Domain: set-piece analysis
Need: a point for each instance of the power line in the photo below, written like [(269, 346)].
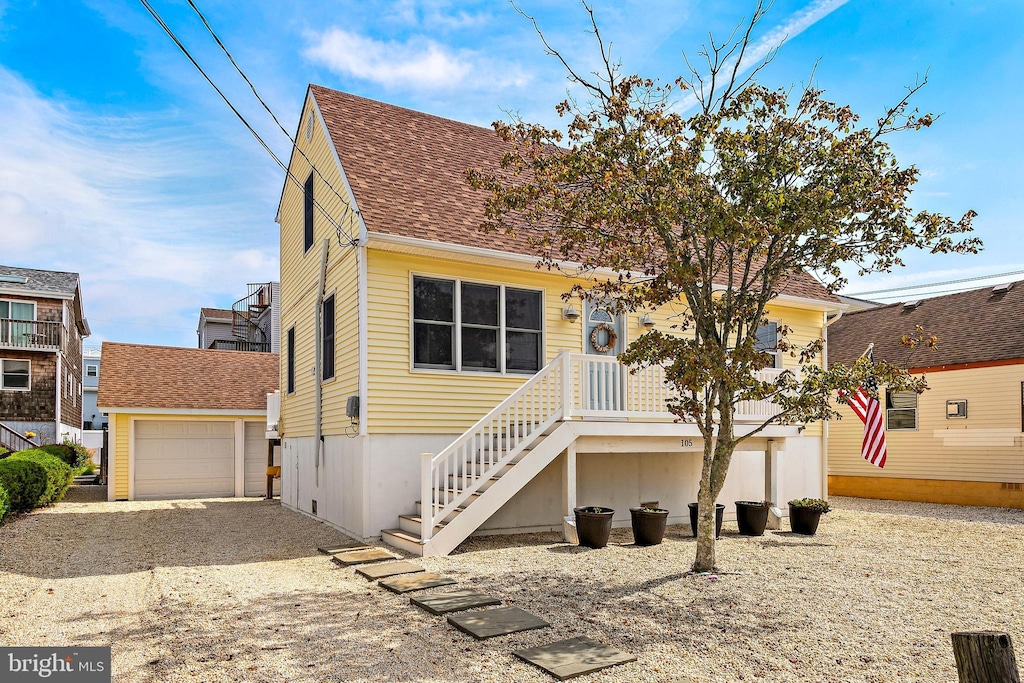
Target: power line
[(288, 135), (936, 284), (170, 33)]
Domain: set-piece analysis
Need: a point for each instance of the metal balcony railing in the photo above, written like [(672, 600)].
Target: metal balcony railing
[(35, 335)]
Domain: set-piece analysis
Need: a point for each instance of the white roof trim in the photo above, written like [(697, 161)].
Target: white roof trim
[(217, 412), (42, 295)]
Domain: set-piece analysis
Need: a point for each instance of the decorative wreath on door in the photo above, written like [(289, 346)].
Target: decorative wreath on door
[(595, 337)]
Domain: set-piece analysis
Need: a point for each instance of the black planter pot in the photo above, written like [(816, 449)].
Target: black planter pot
[(719, 514), (593, 528), (804, 520), (648, 525), (751, 517)]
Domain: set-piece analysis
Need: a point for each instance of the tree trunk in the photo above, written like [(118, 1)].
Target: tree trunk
[(717, 456), (985, 657)]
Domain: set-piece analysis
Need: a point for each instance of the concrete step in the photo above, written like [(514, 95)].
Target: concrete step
[(403, 540), (413, 524)]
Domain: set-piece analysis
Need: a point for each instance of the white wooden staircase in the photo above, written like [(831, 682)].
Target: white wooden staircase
[(467, 482)]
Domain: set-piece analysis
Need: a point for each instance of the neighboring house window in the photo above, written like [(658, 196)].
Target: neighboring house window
[(768, 342), (327, 336), (15, 374), (92, 371), (307, 213), (291, 361), (495, 328), (900, 410)]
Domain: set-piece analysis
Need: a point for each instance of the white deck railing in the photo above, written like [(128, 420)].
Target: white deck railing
[(573, 385)]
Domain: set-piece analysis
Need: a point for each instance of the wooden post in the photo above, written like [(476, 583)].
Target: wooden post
[(270, 463), (985, 657)]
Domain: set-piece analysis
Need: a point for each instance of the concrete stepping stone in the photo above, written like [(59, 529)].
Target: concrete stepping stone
[(416, 582), (341, 548), (381, 571), (574, 657), (352, 557), (502, 621), (454, 601)]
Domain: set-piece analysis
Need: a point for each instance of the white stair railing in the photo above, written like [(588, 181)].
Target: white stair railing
[(490, 444)]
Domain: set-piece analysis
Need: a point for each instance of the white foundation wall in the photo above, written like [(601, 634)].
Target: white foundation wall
[(363, 491)]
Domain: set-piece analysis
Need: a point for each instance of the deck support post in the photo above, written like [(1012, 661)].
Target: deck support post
[(569, 492), (771, 483), (985, 657)]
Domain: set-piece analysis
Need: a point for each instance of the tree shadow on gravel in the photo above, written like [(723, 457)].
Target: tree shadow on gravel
[(76, 542)]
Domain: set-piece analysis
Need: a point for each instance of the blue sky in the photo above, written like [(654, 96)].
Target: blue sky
[(119, 162)]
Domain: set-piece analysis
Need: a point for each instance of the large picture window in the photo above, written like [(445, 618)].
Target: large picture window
[(900, 410), (15, 374), (476, 327)]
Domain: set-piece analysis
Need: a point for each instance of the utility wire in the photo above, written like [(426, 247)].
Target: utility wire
[(937, 284), (167, 29), (925, 295), (294, 141)]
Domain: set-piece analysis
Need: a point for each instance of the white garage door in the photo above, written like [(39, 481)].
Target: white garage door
[(184, 459), (256, 460)]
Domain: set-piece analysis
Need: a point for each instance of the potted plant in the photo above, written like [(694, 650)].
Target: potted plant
[(593, 525), (752, 516), (719, 515), (805, 513), (648, 524)]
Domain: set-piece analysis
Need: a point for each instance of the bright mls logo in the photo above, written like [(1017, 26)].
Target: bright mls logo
[(79, 664)]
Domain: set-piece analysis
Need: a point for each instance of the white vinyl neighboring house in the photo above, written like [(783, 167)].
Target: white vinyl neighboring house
[(186, 423)]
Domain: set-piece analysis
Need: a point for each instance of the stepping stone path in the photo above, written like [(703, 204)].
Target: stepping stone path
[(454, 601), (416, 582), (502, 621), (573, 657), (335, 549), (362, 557), (381, 571), (564, 659)]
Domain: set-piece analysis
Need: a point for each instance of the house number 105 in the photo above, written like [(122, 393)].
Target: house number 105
[(687, 443)]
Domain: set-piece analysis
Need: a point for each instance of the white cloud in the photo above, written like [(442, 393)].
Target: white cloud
[(144, 208), (419, 62)]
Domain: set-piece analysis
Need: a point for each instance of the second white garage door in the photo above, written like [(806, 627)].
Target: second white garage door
[(184, 459)]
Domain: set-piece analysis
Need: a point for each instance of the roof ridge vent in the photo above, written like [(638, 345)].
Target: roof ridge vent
[(1003, 288), (911, 305)]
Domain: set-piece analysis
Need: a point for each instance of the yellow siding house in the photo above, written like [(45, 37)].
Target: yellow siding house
[(960, 442), (423, 360)]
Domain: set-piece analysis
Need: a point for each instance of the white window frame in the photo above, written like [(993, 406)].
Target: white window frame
[(503, 329), (916, 409), (3, 362), (35, 308), (95, 370)]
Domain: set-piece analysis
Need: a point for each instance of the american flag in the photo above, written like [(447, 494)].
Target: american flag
[(869, 410)]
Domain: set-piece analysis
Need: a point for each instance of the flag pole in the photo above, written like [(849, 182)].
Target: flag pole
[(868, 350)]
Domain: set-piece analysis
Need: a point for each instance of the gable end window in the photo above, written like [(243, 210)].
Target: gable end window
[(476, 327), (307, 213), (900, 410), (327, 336), (290, 360), (15, 375)]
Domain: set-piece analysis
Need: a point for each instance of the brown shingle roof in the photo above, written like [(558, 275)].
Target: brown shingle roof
[(972, 327), (216, 313), (139, 376), (407, 171)]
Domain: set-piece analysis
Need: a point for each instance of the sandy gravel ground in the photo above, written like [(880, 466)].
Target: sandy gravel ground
[(234, 590)]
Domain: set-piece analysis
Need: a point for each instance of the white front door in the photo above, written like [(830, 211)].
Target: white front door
[(605, 336)]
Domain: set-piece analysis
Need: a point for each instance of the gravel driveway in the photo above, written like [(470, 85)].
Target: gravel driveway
[(234, 590)]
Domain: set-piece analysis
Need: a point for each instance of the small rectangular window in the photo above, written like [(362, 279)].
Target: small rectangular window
[(523, 313), (290, 360), (900, 410), (768, 342), (327, 337), (15, 375), (480, 327), (307, 213), (956, 409), (434, 323), (92, 371)]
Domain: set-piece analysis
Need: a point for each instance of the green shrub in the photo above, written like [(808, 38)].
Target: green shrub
[(59, 474), (811, 504), (5, 503), (24, 481), (75, 455)]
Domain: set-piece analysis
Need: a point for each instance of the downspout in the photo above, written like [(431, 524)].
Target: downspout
[(824, 427), (318, 359)]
